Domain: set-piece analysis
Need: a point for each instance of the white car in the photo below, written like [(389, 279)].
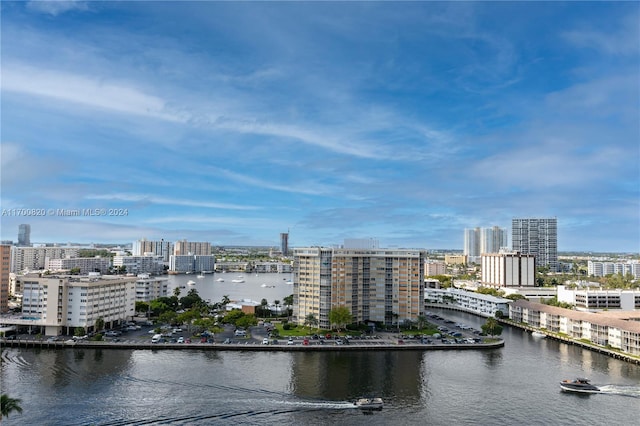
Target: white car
[(181, 340), (290, 341), (265, 341)]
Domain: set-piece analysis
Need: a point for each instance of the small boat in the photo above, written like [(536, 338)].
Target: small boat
[(190, 283), (237, 281), (369, 403), (200, 276), (263, 285), (220, 280), (579, 385), (538, 335)]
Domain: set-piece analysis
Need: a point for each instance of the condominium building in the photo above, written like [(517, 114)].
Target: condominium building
[(597, 299), (191, 263), (602, 269), (604, 329), (5, 271), (376, 285), (184, 247), (149, 288), (24, 235), (284, 243), (34, 258), (85, 264), (59, 304), (538, 237), (483, 240), (485, 305), (149, 264), (508, 269), (158, 248), (434, 268)]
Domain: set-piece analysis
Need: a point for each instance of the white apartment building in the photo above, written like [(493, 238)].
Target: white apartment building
[(191, 263), (602, 269), (85, 264), (508, 269), (34, 258), (376, 285), (59, 304), (485, 305), (150, 288), (483, 240), (597, 299), (149, 264), (598, 328)]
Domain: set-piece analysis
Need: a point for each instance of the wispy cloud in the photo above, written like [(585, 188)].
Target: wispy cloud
[(57, 7), (141, 198)]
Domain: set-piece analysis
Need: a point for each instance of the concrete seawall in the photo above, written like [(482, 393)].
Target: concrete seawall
[(36, 344)]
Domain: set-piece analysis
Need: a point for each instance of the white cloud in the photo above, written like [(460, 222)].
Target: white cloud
[(56, 7), (141, 198), (87, 91)]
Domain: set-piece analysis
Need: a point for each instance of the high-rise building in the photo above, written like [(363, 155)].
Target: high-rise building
[(34, 258), (284, 243), (161, 248), (483, 240), (184, 247), (377, 285), (24, 235), (508, 269), (538, 237), (5, 270)]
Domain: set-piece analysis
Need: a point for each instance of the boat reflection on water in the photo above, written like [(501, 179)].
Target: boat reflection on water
[(579, 385)]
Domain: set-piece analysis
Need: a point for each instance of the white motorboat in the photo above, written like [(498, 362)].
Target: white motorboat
[(191, 283), (538, 335), (220, 280), (369, 403)]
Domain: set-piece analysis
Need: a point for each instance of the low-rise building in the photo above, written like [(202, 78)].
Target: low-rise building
[(191, 263), (598, 328), (596, 299), (148, 264), (470, 301)]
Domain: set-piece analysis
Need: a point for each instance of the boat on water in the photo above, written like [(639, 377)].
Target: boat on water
[(220, 280), (200, 276), (538, 335), (369, 403), (190, 283), (237, 281), (579, 385)]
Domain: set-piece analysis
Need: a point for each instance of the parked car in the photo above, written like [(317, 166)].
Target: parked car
[(265, 341), (181, 340), (290, 341)]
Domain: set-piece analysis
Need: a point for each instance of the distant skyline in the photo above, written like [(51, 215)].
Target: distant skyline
[(405, 122)]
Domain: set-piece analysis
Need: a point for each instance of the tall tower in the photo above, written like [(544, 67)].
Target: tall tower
[(5, 269), (284, 243), (472, 243), (538, 237), (24, 235)]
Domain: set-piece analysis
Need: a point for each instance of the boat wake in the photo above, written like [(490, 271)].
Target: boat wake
[(631, 391)]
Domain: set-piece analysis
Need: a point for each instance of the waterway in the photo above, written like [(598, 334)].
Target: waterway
[(513, 385), (254, 287)]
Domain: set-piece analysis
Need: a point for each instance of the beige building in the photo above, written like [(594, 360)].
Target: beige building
[(376, 285), (508, 269), (84, 264), (59, 304), (184, 247), (34, 258), (455, 259), (5, 270), (434, 268)]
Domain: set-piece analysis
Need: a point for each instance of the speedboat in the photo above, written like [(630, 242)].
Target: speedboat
[(369, 403), (220, 280), (190, 283), (579, 385), (538, 335)]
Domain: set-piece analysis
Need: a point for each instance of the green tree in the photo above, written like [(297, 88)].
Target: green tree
[(288, 302), (311, 320), (422, 321), (491, 327), (74, 271), (515, 296), (340, 316), (142, 307), (9, 405), (79, 331), (176, 292), (99, 324)]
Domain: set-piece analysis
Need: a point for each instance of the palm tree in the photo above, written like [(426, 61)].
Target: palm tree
[(277, 303), (310, 320), (8, 405)]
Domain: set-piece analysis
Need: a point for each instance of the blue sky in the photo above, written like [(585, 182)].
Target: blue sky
[(405, 122)]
